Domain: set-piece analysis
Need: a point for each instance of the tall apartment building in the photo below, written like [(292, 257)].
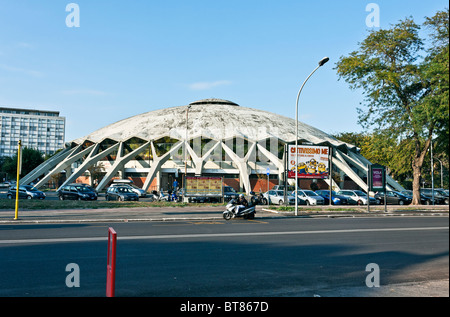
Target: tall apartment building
[(38, 129)]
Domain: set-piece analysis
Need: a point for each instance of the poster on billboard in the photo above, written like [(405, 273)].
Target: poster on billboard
[(377, 177), (313, 161), (204, 186)]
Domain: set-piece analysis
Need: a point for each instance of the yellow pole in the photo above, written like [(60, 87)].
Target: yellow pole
[(17, 183)]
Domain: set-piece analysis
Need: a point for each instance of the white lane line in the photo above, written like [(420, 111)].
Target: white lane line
[(214, 235)]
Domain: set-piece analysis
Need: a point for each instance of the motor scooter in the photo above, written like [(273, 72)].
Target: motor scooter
[(163, 197), (175, 197), (258, 199), (154, 196), (232, 211)]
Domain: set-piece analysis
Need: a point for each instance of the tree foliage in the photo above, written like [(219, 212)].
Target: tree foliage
[(405, 94), (31, 158), (381, 148)]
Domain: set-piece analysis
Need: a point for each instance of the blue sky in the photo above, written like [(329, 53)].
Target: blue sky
[(130, 57)]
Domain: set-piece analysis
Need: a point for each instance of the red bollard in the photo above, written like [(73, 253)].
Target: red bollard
[(111, 263)]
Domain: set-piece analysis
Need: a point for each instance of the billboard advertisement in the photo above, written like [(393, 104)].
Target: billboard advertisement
[(313, 161), (377, 177), (204, 186)]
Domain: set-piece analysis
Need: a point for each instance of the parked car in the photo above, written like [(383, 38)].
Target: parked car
[(121, 193), (86, 185), (439, 199), (393, 198), (202, 199), (6, 184), (310, 197), (277, 197), (25, 191), (358, 196), (335, 198), (289, 188), (443, 193), (139, 191), (77, 192), (424, 200), (229, 193)]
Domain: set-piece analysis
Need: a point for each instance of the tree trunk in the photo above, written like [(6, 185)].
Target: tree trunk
[(417, 173), (417, 168)]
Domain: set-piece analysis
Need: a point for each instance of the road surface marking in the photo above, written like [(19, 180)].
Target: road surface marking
[(214, 235)]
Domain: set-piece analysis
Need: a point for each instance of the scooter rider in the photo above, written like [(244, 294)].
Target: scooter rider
[(242, 203)]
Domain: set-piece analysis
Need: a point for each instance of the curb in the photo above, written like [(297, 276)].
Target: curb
[(329, 214), (277, 215)]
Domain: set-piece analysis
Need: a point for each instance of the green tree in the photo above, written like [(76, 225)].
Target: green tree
[(405, 96), (383, 149), (436, 72), (31, 158)]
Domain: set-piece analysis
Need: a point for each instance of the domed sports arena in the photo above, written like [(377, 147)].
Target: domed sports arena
[(210, 137)]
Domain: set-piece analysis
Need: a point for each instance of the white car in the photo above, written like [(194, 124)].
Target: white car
[(277, 197), (139, 191), (358, 196), (310, 197)]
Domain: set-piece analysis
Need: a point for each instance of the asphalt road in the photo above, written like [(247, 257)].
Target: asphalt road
[(266, 257)]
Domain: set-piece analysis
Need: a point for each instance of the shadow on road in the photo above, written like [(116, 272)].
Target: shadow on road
[(223, 268)]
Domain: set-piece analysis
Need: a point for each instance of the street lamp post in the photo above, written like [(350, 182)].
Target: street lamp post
[(185, 151), (432, 172), (442, 173), (321, 63)]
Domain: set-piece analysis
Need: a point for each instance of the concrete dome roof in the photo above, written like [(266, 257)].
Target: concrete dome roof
[(213, 101), (213, 118)]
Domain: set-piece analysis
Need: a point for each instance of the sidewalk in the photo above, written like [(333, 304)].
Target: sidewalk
[(201, 213)]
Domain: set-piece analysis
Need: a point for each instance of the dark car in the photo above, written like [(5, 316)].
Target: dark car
[(443, 193), (438, 198), (77, 192), (336, 199), (120, 193), (25, 191), (229, 193), (424, 200), (393, 198)]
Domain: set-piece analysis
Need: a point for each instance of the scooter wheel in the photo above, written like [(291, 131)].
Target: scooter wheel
[(227, 215)]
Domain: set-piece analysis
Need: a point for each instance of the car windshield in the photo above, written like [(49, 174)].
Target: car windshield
[(360, 193), (279, 193), (30, 188), (326, 192), (83, 189), (124, 190), (309, 193)]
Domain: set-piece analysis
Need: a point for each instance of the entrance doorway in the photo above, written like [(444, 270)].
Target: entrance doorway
[(168, 179)]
